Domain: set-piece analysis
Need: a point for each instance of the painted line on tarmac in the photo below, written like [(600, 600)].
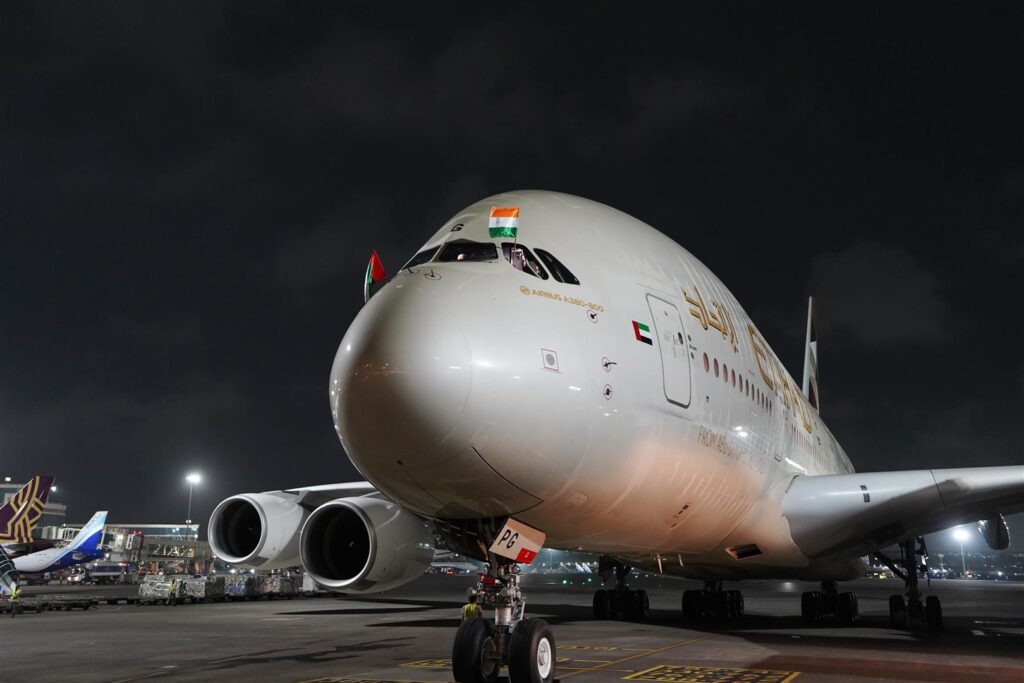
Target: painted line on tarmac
[(676, 673), (672, 646)]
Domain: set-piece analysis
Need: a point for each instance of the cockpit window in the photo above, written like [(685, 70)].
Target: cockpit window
[(521, 259), (466, 250), (421, 258), (557, 268)]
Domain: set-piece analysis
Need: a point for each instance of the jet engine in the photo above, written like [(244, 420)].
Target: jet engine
[(996, 534), (258, 530), (364, 545)]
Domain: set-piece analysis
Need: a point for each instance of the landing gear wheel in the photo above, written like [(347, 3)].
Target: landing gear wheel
[(933, 613), (601, 604), (641, 605), (531, 653), (810, 606), (474, 655), (897, 612), (847, 609), (735, 604), (691, 604)]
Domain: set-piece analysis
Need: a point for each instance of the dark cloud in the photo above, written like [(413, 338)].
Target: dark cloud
[(879, 294), (190, 192)]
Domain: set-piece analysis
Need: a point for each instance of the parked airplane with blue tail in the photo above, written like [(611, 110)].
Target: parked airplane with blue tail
[(86, 546)]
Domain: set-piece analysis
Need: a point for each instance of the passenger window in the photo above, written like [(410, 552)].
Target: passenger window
[(521, 259), (466, 250), (557, 268), (420, 258)]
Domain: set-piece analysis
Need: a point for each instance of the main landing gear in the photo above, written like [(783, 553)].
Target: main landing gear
[(620, 602), (912, 612), (815, 605), (713, 603), (482, 646)]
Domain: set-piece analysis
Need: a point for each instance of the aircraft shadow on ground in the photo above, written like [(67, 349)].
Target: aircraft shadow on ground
[(872, 631)]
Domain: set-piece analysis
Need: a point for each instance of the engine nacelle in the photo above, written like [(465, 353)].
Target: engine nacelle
[(257, 530), (365, 545), (996, 533)]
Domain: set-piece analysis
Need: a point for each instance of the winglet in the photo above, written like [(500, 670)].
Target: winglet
[(811, 359), (375, 277)]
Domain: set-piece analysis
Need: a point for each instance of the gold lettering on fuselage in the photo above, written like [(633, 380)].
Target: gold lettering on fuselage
[(775, 377), (720, 320), (571, 300)]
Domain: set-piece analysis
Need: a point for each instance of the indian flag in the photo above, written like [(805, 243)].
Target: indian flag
[(504, 222), (643, 333)]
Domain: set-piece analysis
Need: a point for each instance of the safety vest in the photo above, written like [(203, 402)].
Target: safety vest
[(16, 595), (470, 610)]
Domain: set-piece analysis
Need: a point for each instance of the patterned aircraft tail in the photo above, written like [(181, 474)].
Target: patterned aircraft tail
[(20, 514)]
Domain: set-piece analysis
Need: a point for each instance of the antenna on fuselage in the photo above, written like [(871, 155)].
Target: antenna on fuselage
[(810, 385)]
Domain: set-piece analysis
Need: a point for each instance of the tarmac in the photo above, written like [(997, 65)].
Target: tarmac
[(406, 635)]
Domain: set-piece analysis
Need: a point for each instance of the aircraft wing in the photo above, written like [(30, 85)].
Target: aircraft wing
[(315, 496), (856, 514)]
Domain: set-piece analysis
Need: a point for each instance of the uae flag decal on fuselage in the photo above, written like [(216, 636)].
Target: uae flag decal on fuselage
[(643, 333)]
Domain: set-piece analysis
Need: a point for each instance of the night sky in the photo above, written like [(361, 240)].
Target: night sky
[(189, 193)]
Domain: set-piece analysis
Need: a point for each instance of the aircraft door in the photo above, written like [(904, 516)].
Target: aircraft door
[(675, 357)]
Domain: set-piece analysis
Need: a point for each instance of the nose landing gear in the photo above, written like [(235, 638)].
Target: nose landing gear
[(620, 602), (482, 647)]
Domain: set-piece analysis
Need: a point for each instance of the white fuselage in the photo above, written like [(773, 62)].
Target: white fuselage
[(473, 389)]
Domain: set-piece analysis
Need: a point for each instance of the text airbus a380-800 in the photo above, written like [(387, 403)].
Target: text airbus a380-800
[(550, 371)]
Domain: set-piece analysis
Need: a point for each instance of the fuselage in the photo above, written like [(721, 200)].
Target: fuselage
[(639, 413)]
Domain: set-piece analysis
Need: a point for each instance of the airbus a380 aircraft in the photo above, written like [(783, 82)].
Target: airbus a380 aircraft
[(550, 371)]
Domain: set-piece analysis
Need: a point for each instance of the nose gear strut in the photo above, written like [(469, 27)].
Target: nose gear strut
[(482, 646)]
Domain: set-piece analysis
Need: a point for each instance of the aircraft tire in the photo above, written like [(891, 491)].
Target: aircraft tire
[(691, 604), (736, 606), (641, 605), (847, 611), (933, 613), (897, 612), (474, 641), (601, 604), (531, 653), (810, 606)]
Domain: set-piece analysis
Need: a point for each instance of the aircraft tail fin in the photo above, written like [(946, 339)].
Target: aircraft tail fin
[(90, 538), (20, 514), (811, 359)]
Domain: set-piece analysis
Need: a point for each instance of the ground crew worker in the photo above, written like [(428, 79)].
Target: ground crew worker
[(15, 599), (172, 592), (471, 610)]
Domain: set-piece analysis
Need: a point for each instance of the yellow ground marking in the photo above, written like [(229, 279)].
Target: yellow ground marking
[(332, 679), (681, 643), (603, 648), (674, 673), (428, 664)]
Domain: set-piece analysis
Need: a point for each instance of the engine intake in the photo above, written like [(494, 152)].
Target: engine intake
[(363, 545), (257, 530)]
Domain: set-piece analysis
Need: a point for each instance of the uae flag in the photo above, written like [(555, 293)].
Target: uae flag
[(504, 222), (643, 333)]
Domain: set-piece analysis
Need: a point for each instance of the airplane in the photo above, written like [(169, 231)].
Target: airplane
[(86, 546), (20, 515), (597, 388)]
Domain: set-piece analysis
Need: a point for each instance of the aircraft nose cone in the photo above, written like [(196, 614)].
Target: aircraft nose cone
[(400, 380)]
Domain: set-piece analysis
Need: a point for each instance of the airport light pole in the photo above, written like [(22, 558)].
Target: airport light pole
[(193, 478), (962, 536)]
